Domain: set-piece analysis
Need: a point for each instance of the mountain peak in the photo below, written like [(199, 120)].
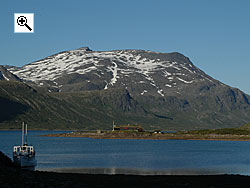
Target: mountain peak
[(85, 48)]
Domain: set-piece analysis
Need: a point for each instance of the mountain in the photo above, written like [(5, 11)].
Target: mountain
[(141, 72), (157, 90)]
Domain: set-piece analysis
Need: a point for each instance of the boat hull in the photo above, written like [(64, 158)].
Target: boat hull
[(25, 161)]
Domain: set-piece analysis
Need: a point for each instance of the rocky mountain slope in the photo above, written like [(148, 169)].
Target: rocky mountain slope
[(141, 72), (6, 75), (157, 90)]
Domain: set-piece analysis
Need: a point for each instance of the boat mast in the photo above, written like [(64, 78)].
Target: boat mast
[(22, 132), (26, 133)]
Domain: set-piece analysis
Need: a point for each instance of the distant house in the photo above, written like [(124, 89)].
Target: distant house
[(128, 128), (157, 131)]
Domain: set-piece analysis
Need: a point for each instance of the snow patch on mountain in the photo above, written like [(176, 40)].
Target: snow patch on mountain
[(5, 77), (144, 91), (168, 85), (160, 92), (187, 82)]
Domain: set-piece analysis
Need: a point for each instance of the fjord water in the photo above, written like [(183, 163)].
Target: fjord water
[(86, 155)]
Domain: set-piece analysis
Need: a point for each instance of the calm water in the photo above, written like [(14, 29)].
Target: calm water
[(85, 155)]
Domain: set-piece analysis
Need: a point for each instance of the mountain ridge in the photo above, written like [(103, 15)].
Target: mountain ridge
[(157, 90), (109, 63)]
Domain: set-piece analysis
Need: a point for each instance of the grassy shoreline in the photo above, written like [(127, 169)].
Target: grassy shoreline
[(156, 136), (226, 134)]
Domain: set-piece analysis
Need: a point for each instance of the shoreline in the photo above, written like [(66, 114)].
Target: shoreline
[(144, 136), (200, 171), (154, 136), (53, 179)]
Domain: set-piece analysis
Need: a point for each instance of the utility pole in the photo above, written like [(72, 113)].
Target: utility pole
[(113, 125)]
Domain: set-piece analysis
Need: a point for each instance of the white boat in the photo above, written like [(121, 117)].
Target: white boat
[(24, 155)]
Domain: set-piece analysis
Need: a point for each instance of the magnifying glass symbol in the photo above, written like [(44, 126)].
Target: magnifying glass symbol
[(22, 21)]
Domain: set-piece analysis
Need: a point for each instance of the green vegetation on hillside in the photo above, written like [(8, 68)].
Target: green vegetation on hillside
[(80, 110), (91, 110), (242, 130)]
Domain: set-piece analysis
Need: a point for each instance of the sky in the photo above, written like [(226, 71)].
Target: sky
[(214, 34)]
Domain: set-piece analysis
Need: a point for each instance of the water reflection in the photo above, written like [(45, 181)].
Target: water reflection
[(130, 171), (29, 168)]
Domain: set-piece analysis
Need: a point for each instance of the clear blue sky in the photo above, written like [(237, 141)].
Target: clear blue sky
[(214, 34)]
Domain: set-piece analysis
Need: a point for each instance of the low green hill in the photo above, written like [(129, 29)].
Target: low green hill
[(242, 130), (81, 110)]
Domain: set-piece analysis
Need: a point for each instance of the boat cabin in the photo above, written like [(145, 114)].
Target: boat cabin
[(23, 149)]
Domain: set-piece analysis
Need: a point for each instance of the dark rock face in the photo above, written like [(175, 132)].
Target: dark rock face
[(5, 161), (155, 89), (10, 109), (6, 75), (1, 76)]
